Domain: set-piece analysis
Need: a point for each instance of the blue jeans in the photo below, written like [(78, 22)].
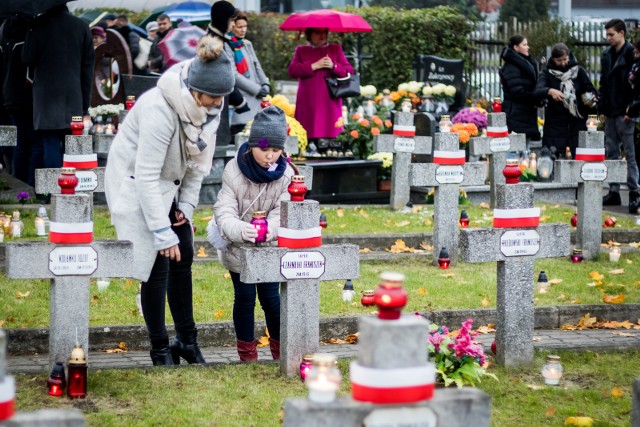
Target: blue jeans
[(244, 303), (52, 141), (170, 280), (616, 132)]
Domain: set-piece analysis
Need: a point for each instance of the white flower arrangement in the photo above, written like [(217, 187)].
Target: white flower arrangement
[(440, 92), (414, 86), (108, 110), (368, 91), (386, 158)]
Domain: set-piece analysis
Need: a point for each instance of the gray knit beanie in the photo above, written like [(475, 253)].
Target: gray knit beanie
[(269, 129), (213, 77)]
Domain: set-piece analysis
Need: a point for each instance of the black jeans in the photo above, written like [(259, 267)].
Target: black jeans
[(170, 280), (244, 303)]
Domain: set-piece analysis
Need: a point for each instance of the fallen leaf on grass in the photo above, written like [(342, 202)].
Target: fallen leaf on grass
[(201, 252), (427, 247), (365, 250), (402, 223), (616, 325), (121, 348), (587, 321), (579, 421), (218, 314), (485, 205), (364, 213), (575, 301), (485, 329), (562, 297), (342, 225), (399, 247), (543, 208), (629, 261), (22, 295), (206, 218), (613, 299), (447, 275), (485, 302), (226, 276), (335, 341), (1, 323), (95, 298), (596, 275), (352, 338), (623, 334), (555, 281), (340, 213), (617, 392), (635, 245), (422, 291), (535, 386), (536, 339), (263, 342), (543, 218), (427, 221), (556, 206), (617, 271), (550, 412)]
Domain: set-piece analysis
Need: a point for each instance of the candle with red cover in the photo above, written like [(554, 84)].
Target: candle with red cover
[(77, 373), (259, 222), (56, 382), (77, 125), (390, 296), (297, 188), (68, 181)]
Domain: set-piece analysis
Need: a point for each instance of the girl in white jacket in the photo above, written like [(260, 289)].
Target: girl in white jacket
[(256, 180)]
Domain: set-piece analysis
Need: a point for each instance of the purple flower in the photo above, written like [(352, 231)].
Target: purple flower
[(22, 197), (263, 143)]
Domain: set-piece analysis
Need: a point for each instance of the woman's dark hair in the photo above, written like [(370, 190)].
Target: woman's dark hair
[(308, 31), (516, 40), (559, 50)]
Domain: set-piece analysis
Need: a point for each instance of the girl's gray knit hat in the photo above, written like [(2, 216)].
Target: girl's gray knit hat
[(269, 129)]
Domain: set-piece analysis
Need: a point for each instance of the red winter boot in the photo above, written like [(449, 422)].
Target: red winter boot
[(247, 350), (275, 348)]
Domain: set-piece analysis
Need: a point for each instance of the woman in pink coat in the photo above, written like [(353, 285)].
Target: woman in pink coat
[(316, 110)]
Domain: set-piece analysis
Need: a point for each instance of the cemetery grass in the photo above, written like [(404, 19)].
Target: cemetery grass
[(596, 385), (25, 303)]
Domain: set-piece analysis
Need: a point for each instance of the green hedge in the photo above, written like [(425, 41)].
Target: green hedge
[(398, 36)]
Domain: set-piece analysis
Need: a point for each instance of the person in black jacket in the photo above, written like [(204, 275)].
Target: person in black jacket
[(519, 76), (565, 83), (615, 97)]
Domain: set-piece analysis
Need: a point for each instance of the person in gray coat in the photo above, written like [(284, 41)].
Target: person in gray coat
[(157, 162)]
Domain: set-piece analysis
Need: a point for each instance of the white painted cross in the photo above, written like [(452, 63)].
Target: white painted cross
[(590, 170), (403, 143), (496, 145), (447, 172)]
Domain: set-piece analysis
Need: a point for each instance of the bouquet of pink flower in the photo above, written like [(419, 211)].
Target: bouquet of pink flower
[(458, 357), (477, 116)]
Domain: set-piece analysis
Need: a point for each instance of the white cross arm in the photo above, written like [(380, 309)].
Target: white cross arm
[(424, 174), (572, 171), (8, 136), (32, 260), (91, 180), (386, 143), (263, 265), (484, 244), (482, 144)]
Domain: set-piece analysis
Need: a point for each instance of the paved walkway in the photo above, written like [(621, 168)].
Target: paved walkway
[(594, 340)]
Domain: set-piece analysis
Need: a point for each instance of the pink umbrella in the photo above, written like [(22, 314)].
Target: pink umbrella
[(180, 44), (335, 21)]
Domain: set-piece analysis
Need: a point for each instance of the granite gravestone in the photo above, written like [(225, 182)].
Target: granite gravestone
[(516, 240), (447, 172), (590, 170), (70, 259), (496, 145), (403, 143), (112, 62), (433, 69), (300, 266), (8, 136)]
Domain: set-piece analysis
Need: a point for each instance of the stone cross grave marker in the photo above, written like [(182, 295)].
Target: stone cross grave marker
[(69, 259), (590, 170), (447, 172), (8, 136), (516, 240), (403, 143), (496, 145), (79, 155), (299, 263), (392, 385)]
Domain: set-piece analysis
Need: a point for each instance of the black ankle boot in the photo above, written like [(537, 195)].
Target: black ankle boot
[(189, 352), (161, 356)]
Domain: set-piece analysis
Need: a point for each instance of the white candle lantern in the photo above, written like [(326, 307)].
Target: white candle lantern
[(103, 284), (323, 379), (543, 283), (614, 254), (16, 225), (406, 105), (592, 123), (552, 370), (445, 124), (40, 228)]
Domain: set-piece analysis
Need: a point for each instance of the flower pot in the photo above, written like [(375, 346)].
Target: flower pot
[(384, 185)]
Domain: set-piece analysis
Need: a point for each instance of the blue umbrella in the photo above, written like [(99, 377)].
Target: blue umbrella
[(189, 11), (141, 32)]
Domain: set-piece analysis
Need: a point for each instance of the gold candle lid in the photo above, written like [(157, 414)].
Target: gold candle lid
[(368, 292), (324, 359), (68, 171), (307, 358), (131, 97), (512, 162), (260, 214), (77, 356), (297, 178), (76, 118), (392, 278), (577, 251), (445, 118)]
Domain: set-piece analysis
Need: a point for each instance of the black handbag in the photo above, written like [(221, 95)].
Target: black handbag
[(344, 87)]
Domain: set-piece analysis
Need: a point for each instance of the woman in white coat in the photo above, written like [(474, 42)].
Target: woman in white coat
[(156, 165), (250, 78)]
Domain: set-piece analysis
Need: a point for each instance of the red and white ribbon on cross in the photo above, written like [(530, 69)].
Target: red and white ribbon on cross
[(309, 238), (80, 161), (400, 130), (399, 385), (516, 218), (449, 157), (71, 232), (590, 154), (7, 397), (497, 131)]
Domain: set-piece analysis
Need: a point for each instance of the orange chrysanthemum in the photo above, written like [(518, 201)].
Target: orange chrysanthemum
[(375, 131), (356, 116), (354, 134), (388, 123), (365, 123), (377, 120), (339, 123)]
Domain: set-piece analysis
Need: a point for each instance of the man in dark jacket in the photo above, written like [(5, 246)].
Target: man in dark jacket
[(615, 97), (59, 50), (133, 41), (156, 58)]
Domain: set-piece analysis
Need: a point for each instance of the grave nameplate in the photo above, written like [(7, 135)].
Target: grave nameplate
[(449, 174), (73, 261), (520, 243), (87, 181), (404, 145), (498, 145), (302, 265), (401, 417), (593, 172)]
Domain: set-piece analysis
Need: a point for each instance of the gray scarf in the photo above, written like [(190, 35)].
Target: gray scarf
[(567, 88)]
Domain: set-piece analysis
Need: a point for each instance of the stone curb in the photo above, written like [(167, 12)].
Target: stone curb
[(219, 334)]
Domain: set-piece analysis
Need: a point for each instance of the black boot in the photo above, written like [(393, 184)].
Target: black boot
[(612, 198), (161, 356), (634, 202), (186, 347)]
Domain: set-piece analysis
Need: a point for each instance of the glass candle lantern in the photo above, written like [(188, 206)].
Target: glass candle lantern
[(390, 296), (445, 124), (17, 226), (77, 373), (6, 225), (464, 219), (443, 259), (545, 164), (614, 254), (406, 105), (368, 298), (88, 124), (130, 102), (567, 153), (323, 379), (103, 284), (1, 234), (40, 227), (533, 163), (76, 125), (42, 212), (297, 188), (56, 382), (496, 106), (552, 370), (348, 292), (323, 220), (543, 283), (259, 222), (370, 108), (305, 365), (512, 171), (592, 123), (109, 128), (98, 127), (574, 219), (68, 181), (576, 256)]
